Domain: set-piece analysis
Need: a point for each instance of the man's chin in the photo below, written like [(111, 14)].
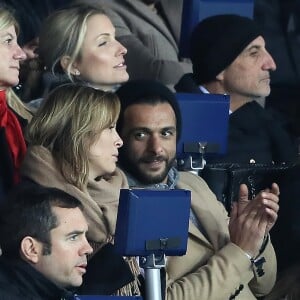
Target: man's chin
[(151, 177), (153, 169), (153, 173), (154, 179), (146, 173)]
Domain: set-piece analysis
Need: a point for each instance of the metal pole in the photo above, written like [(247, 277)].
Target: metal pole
[(152, 265), (153, 284)]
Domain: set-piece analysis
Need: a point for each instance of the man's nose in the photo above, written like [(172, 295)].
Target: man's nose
[(86, 248), (269, 63), (155, 145)]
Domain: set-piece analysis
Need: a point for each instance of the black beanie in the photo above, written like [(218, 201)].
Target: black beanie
[(135, 91), (217, 41)]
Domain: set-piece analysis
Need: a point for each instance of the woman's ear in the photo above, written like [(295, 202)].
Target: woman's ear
[(65, 62), (31, 249)]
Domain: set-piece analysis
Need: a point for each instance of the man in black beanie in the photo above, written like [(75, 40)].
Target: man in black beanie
[(219, 263), (229, 56)]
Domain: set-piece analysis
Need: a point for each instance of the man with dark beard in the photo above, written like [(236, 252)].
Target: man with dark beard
[(150, 165), (235, 261)]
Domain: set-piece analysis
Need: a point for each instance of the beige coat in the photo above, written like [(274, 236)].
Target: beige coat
[(100, 199), (214, 268)]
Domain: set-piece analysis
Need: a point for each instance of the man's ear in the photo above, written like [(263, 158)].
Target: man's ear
[(31, 249), (65, 61)]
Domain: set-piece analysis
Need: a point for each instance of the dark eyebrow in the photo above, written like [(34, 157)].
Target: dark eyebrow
[(75, 232), (145, 129), (169, 128), (148, 130)]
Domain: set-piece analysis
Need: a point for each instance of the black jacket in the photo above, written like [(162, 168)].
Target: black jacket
[(254, 133), (106, 273), (18, 280)]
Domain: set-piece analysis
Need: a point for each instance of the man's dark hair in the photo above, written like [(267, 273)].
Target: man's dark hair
[(146, 91), (27, 211)]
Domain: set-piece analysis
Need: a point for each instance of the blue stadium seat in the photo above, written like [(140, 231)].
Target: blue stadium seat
[(146, 224), (204, 120)]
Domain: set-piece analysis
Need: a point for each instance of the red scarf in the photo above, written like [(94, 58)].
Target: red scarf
[(14, 135)]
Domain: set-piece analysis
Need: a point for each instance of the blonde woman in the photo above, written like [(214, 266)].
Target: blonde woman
[(80, 43), (73, 146), (13, 114)]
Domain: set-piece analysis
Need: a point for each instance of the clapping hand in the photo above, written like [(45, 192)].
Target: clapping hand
[(251, 220)]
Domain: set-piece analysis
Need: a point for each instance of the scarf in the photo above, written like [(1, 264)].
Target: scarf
[(13, 134), (173, 177), (100, 199)]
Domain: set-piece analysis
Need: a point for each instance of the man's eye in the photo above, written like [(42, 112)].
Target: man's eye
[(139, 135), (254, 53), (73, 237), (167, 133)]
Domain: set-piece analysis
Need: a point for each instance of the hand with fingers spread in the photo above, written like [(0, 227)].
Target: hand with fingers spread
[(251, 220)]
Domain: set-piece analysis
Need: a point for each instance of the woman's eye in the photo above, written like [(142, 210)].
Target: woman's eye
[(102, 43), (8, 41)]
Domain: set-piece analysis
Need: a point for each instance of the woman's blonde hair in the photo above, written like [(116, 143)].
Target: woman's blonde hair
[(67, 124), (62, 34), (7, 19)]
